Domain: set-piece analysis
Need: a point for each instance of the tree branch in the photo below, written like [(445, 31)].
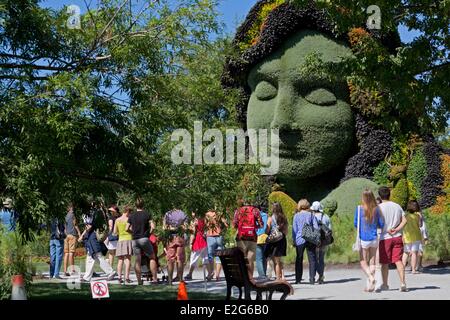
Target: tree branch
[(32, 66)]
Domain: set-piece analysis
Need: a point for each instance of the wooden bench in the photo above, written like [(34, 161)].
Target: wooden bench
[(236, 274)]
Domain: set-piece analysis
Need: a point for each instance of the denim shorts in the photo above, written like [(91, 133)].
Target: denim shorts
[(214, 244)]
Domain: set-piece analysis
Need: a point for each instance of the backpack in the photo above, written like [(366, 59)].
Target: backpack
[(326, 235), (246, 223)]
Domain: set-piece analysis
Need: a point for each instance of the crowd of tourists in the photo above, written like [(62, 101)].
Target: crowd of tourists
[(385, 235)]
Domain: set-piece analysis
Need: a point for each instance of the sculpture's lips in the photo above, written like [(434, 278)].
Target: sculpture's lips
[(286, 151)]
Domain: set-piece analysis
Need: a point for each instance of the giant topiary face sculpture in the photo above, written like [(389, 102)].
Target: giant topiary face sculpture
[(334, 141), (313, 116)]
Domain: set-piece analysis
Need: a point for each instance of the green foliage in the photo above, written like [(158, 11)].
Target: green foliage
[(344, 234), (400, 193), (348, 194), (417, 170), (381, 174), (96, 121), (15, 259), (287, 203), (438, 227), (252, 35), (40, 246), (329, 206)]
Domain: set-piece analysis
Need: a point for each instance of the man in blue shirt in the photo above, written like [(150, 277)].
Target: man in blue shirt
[(261, 261), (8, 216)]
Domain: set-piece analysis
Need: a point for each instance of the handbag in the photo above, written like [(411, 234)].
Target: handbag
[(111, 236), (357, 244), (310, 234), (274, 236), (275, 233)]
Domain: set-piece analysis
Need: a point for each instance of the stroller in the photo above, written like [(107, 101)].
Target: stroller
[(145, 262)]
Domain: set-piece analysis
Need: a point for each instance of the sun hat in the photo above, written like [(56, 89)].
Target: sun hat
[(316, 206)]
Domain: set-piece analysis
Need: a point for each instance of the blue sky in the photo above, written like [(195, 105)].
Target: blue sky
[(232, 13)]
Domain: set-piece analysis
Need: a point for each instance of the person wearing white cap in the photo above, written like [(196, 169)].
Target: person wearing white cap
[(324, 219), (8, 216)]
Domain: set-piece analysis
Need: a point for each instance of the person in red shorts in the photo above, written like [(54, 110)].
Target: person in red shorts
[(391, 242)]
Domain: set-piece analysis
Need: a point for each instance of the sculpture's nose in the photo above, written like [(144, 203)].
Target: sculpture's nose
[(283, 117)]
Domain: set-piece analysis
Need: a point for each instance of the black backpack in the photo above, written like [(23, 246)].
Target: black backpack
[(326, 234)]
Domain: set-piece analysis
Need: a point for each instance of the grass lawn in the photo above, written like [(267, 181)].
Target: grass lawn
[(59, 291), (79, 261)]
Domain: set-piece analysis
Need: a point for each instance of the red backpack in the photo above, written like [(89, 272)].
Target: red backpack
[(246, 223)]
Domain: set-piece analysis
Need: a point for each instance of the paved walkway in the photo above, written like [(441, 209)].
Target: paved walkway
[(344, 284)]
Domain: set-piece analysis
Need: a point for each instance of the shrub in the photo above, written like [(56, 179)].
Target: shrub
[(40, 246), (438, 235), (443, 202), (417, 170), (381, 174), (431, 184), (400, 193), (289, 206), (348, 195), (15, 259), (344, 235)]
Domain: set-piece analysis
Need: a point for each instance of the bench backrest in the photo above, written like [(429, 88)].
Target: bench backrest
[(234, 266)]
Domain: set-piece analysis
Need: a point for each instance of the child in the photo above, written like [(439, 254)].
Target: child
[(412, 236), (424, 232)]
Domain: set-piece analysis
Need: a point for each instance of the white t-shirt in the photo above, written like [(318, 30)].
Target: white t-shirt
[(392, 214)]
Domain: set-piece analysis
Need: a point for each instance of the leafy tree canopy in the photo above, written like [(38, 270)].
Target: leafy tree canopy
[(88, 112)]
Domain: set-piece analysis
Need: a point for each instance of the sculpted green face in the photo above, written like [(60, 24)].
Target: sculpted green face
[(313, 116)]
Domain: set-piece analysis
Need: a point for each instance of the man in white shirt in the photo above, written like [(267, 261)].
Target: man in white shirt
[(391, 243)]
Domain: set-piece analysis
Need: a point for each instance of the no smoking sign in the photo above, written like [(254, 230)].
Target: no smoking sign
[(99, 289)]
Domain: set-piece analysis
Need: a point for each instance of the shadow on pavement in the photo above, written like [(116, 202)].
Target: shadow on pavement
[(318, 298), (342, 280), (436, 271), (424, 288)]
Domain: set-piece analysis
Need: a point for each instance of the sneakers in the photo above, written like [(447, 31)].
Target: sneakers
[(321, 280), (188, 277), (403, 288), (111, 276)]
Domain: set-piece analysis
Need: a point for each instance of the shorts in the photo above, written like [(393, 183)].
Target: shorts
[(414, 246), (421, 246), (369, 244), (391, 250), (195, 255), (143, 245), (214, 244), (175, 250), (249, 248), (70, 244)]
